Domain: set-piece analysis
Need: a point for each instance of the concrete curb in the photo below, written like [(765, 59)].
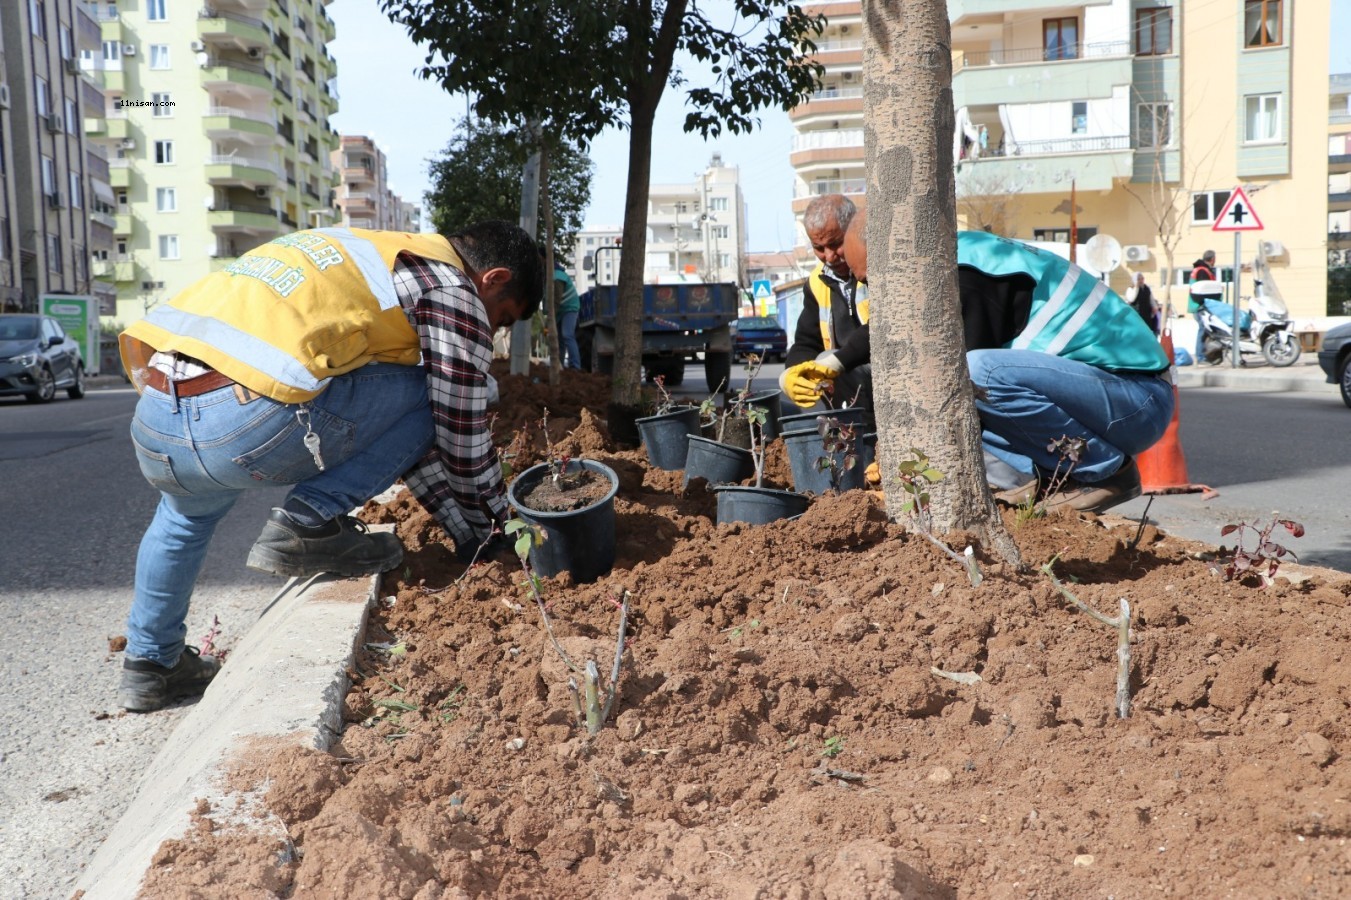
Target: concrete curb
[(1295, 378), (287, 679)]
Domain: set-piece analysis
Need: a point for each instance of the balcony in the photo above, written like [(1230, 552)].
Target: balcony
[(122, 224), (104, 219), (226, 74), (820, 147), (238, 171), (833, 9), (249, 218), (118, 127), (962, 9), (831, 53), (1048, 166), (119, 173), (831, 103), (124, 270), (223, 122), (216, 24), (1006, 77)]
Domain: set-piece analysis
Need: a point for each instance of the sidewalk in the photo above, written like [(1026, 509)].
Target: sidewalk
[(1304, 375)]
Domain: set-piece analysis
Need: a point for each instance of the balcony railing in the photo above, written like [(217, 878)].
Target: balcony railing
[(241, 65), (208, 13), (99, 13), (838, 93), (1098, 144), (1103, 50), (267, 117), (833, 186), (828, 140), (256, 209), (837, 46), (242, 161)]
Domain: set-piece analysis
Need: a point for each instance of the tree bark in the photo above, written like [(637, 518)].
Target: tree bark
[(626, 388), (921, 385), (550, 285)]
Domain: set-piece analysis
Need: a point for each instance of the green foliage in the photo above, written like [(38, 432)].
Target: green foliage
[(832, 747), (478, 176), (916, 476)]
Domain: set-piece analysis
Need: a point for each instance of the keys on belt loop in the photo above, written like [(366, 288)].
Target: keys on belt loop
[(311, 439)]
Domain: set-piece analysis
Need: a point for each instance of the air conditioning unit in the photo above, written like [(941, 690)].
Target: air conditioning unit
[(4, 96), (54, 123), (54, 200), (128, 143), (198, 46), (848, 76), (1135, 253), (255, 53), (1273, 248), (152, 285), (260, 192), (72, 65), (128, 49), (844, 29)]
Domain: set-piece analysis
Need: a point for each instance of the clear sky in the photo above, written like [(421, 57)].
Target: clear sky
[(412, 120)]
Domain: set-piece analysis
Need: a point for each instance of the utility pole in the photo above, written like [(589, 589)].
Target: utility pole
[(520, 332)]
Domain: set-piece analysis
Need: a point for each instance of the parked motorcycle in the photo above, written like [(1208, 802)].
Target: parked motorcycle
[(1264, 327)]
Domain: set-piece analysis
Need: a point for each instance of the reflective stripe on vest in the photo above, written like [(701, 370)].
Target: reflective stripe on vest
[(825, 296)]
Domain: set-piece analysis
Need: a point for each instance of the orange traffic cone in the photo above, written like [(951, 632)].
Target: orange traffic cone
[(1163, 468)]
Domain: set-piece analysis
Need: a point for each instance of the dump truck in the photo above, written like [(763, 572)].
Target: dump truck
[(680, 321)]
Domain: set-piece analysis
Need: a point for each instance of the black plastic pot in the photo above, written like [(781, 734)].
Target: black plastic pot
[(666, 436), (769, 402), (850, 415), (757, 506), (717, 463), (580, 541), (804, 449)]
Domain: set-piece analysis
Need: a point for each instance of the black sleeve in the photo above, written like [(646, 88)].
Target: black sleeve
[(856, 350), (994, 310), (807, 343)]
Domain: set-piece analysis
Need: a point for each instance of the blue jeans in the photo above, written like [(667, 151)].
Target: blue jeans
[(567, 340), (1035, 398), (202, 452)]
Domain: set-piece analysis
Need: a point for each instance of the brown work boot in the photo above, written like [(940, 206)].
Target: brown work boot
[(1097, 496), (1019, 495)]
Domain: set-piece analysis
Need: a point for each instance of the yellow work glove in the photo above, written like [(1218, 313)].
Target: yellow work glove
[(872, 474), (802, 383)]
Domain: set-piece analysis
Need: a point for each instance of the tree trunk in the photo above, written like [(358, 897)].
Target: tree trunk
[(921, 385), (626, 388), (550, 284)]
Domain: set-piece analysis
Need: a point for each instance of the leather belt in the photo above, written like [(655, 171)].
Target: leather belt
[(189, 387)]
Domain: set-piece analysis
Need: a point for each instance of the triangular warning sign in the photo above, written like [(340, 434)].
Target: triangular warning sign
[(1238, 214)]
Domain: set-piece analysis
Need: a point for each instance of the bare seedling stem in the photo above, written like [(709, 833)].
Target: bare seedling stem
[(1122, 624)]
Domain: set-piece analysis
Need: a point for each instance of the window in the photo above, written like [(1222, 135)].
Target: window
[(168, 246), (54, 253), (1262, 118), (1154, 31), (163, 107), (76, 191), (722, 232), (112, 51), (1153, 125), (72, 117), (44, 96), (48, 176), (37, 18), (1079, 117), (1062, 235), (121, 249), (122, 202), (166, 200), (1206, 206), (1060, 38), (164, 153), (717, 204), (159, 56), (66, 42), (154, 10), (1261, 23), (77, 263)]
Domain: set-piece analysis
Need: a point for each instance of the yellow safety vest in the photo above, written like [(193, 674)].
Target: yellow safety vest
[(287, 316), (822, 293)]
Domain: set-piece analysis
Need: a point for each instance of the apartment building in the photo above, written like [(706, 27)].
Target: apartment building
[(595, 257), (50, 177), (363, 194), (217, 133), (1137, 106)]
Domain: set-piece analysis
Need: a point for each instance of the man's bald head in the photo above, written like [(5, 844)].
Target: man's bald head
[(856, 245)]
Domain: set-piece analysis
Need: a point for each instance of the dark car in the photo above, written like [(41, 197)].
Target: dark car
[(759, 334), (1335, 358), (37, 358)]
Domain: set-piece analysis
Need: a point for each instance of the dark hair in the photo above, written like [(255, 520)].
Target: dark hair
[(493, 244)]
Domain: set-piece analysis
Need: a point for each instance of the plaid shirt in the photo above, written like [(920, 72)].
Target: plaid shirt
[(459, 481)]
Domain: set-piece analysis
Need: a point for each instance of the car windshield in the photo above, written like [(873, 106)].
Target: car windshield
[(760, 322), (18, 328)]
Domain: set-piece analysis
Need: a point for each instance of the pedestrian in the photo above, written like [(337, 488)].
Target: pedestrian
[(334, 360), (1203, 269), (1142, 298), (567, 305), (830, 342), (1053, 353)]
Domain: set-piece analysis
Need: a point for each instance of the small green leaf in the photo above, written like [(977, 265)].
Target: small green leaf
[(523, 546)]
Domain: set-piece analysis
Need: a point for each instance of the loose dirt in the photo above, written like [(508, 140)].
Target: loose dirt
[(779, 730)]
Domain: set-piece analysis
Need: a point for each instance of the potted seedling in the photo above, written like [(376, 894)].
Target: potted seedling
[(666, 432), (849, 413), (715, 459), (757, 505), (571, 502), (830, 457)]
